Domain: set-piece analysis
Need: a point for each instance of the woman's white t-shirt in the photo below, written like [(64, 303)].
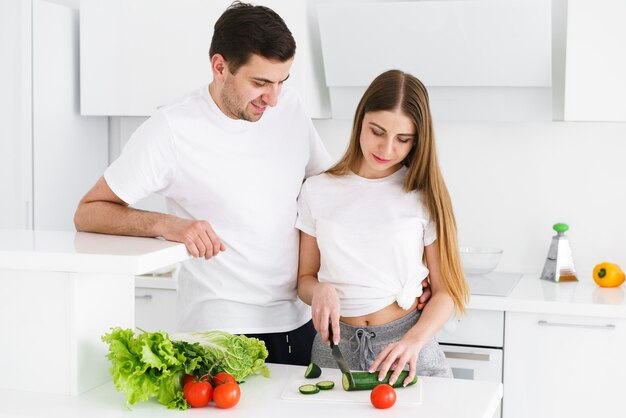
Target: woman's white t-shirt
[(371, 235), (244, 179)]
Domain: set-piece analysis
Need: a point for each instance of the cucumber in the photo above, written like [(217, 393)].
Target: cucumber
[(313, 371), (325, 384), (368, 381), (308, 389)]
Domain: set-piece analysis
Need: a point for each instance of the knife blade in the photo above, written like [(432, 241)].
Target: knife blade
[(341, 362)]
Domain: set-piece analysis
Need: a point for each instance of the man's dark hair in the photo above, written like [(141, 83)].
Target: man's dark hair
[(244, 29)]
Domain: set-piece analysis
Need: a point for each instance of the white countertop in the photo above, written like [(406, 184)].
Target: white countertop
[(86, 252), (533, 295), (441, 398)]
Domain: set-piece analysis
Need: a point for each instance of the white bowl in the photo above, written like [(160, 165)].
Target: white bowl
[(479, 260)]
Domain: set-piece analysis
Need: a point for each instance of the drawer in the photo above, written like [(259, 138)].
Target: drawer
[(477, 328), (155, 309)]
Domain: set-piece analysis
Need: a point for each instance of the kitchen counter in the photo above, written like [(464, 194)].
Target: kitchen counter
[(63, 290), (532, 295), (441, 398), (86, 252)]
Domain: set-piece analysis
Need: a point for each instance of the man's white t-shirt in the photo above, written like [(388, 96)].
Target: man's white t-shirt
[(371, 236), (244, 179)]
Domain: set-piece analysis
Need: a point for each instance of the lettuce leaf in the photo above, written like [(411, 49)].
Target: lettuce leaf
[(147, 366), (238, 355)]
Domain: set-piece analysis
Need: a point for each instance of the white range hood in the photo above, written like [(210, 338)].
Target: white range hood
[(487, 59)]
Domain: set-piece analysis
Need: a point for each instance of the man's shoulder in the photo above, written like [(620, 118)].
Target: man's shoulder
[(187, 100)]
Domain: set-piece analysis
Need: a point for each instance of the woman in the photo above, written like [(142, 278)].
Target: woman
[(372, 227)]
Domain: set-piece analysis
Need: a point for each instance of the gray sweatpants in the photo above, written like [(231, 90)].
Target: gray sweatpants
[(361, 345)]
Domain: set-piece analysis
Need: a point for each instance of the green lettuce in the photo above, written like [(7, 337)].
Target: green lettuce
[(151, 365), (238, 355)]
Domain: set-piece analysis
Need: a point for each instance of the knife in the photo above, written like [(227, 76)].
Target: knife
[(341, 362)]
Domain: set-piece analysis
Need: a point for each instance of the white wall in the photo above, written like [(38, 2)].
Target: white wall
[(510, 182)]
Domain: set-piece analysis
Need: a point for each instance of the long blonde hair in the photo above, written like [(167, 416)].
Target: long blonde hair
[(395, 89)]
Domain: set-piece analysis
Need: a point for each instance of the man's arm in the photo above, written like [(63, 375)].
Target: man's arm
[(102, 211)]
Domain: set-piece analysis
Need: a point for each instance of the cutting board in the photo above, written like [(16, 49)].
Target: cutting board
[(410, 395)]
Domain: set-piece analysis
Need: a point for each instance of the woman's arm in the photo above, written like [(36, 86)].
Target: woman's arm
[(435, 314), (322, 297)]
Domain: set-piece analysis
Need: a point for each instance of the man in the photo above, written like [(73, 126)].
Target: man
[(230, 160)]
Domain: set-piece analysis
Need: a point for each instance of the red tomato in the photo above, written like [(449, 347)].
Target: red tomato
[(383, 396), (223, 377), (191, 378), (227, 395), (198, 394), (188, 378)]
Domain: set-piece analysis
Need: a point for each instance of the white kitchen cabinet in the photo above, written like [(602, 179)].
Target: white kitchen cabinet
[(70, 151), (563, 366), (595, 65), (473, 344), (137, 55), (15, 115), (479, 328), (49, 154), (155, 302), (64, 290)]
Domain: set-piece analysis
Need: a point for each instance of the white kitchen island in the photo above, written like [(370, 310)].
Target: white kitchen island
[(61, 291)]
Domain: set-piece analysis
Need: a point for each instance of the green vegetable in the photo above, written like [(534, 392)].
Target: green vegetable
[(235, 354), (308, 389), (312, 371), (148, 365), (368, 381), (325, 384), (152, 365)]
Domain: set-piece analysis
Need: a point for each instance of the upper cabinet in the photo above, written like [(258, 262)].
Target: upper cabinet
[(137, 55), (595, 85), (480, 60), (489, 60)]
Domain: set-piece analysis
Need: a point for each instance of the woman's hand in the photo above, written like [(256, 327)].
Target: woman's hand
[(325, 309), (395, 356)]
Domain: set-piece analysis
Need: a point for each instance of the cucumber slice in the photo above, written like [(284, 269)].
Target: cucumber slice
[(325, 384), (313, 371), (308, 389), (368, 381)]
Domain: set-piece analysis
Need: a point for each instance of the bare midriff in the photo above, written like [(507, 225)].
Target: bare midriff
[(384, 316)]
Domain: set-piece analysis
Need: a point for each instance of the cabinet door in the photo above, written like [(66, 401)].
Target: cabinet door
[(563, 366), (477, 328), (155, 309), (70, 152), (158, 52), (15, 115), (594, 72)]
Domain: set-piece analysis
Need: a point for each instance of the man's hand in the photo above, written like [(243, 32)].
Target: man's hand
[(426, 294), (198, 236), (102, 211)]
